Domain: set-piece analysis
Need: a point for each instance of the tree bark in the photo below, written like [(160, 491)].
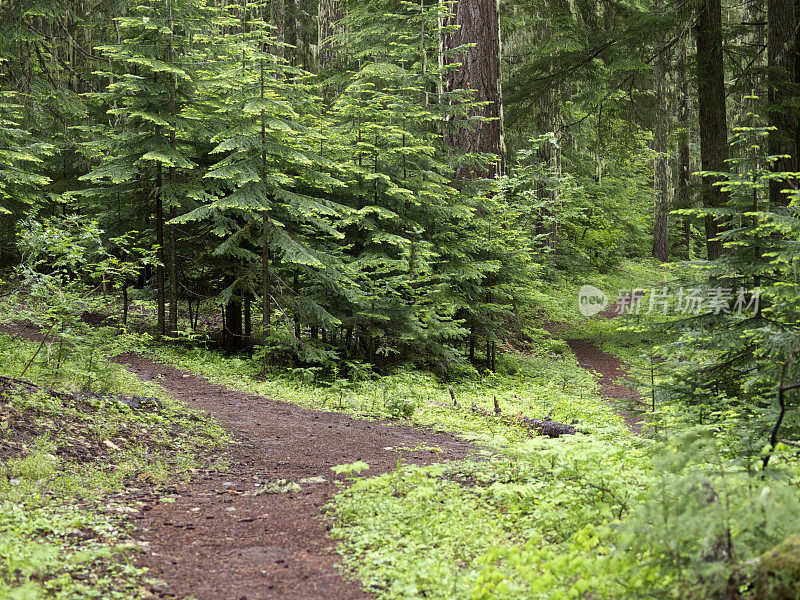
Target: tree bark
[(173, 258), (550, 158), (684, 164), (248, 322), (173, 274), (660, 140), (330, 14), (278, 19), (478, 23), (713, 119), (266, 281), (160, 296), (782, 85), (233, 322)]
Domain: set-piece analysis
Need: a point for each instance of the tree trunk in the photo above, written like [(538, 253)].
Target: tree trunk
[(266, 282), (248, 322), (782, 85), (478, 24), (299, 35), (660, 140), (297, 324), (266, 275), (173, 259), (125, 304), (160, 267), (684, 165), (278, 18), (173, 276), (472, 346), (711, 108), (329, 16), (233, 322), (550, 157)]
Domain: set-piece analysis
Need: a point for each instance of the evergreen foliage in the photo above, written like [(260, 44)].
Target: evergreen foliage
[(317, 168)]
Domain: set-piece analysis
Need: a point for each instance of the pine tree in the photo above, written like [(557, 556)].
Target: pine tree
[(145, 151), (712, 113), (733, 357), (22, 182), (268, 180)]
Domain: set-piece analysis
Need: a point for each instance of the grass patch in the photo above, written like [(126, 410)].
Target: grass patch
[(533, 385), (496, 528)]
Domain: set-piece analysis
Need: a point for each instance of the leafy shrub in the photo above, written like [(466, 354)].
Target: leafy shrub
[(400, 408)]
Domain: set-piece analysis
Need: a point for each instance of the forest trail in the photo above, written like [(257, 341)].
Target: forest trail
[(224, 538), (609, 370)]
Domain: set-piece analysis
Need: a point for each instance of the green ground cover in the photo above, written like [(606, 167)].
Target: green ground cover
[(70, 458)]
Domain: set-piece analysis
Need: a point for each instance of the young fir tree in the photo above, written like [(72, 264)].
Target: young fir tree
[(269, 181), (21, 164), (145, 150), (734, 352), (420, 245)]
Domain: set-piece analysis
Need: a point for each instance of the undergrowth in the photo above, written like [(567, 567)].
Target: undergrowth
[(67, 459), (532, 385)]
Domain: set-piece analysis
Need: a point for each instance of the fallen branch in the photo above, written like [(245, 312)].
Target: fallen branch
[(544, 426), (782, 389), (453, 397)]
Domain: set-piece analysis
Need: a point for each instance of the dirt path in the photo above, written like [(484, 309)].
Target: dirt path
[(219, 541), (610, 370), (628, 402)]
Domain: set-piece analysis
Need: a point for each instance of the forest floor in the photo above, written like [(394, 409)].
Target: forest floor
[(256, 528), (222, 539)]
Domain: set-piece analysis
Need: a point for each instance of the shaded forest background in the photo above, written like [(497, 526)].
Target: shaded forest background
[(345, 180)]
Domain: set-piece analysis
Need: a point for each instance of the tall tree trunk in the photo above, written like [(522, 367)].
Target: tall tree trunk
[(173, 258), (549, 121), (478, 24), (660, 140), (684, 165), (278, 18), (782, 60), (751, 85), (711, 108), (266, 280), (125, 303), (160, 296), (266, 275), (300, 35), (233, 320), (440, 50), (329, 16), (248, 321), (173, 274)]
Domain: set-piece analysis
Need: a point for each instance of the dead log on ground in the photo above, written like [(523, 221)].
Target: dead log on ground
[(547, 426)]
